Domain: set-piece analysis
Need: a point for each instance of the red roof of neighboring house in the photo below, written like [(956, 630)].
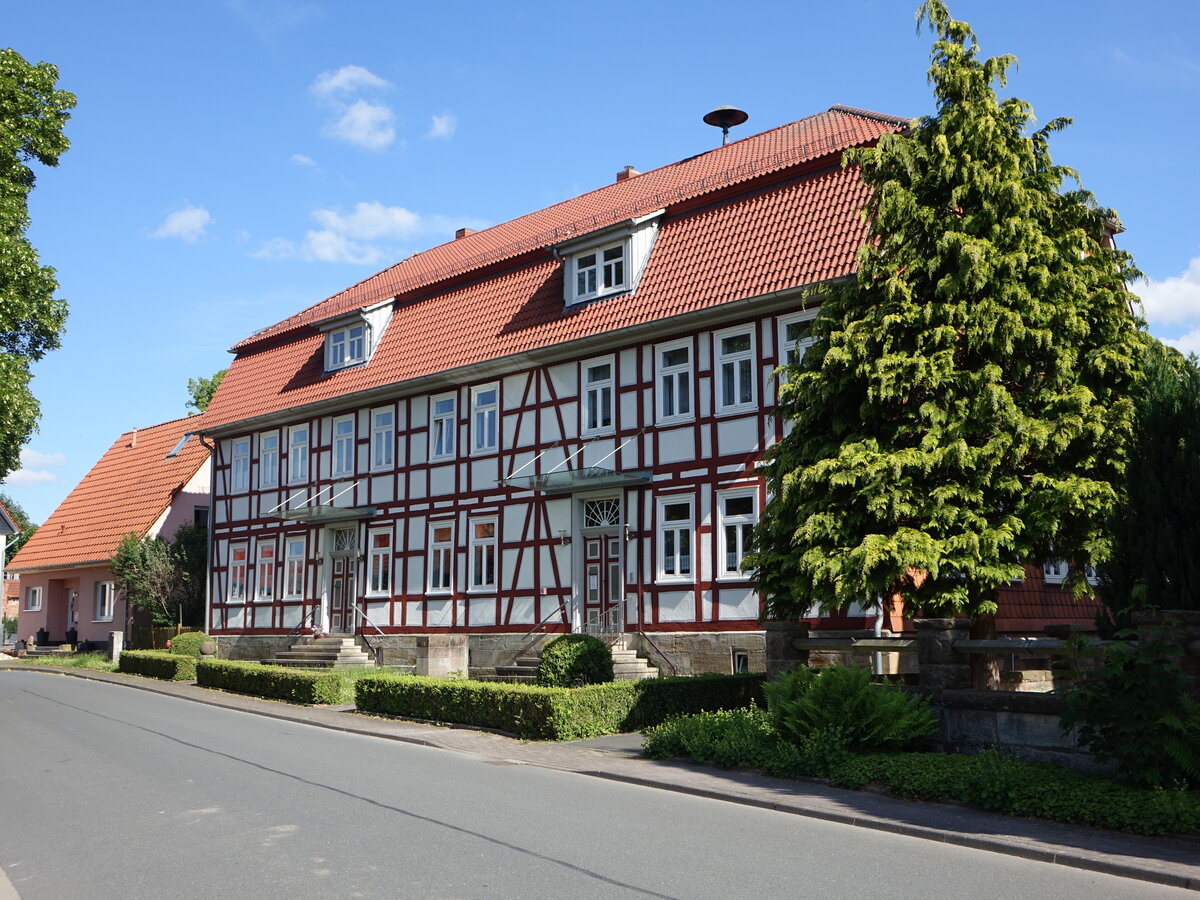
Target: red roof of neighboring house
[(8, 525), (454, 313), (127, 490)]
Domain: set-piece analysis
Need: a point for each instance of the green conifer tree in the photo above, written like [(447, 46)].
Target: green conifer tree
[(966, 405)]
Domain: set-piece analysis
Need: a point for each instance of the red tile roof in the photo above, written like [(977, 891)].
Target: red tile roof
[(796, 233), (127, 490)]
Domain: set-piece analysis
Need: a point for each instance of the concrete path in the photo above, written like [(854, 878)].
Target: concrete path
[(1161, 860)]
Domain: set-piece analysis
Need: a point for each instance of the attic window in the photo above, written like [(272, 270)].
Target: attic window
[(346, 346), (607, 262), (350, 339), (600, 272)]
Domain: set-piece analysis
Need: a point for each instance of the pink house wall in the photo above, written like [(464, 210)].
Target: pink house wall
[(53, 616)]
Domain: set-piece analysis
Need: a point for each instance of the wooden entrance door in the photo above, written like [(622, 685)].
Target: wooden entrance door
[(604, 587), (341, 596)]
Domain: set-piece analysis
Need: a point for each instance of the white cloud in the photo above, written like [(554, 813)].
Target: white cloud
[(35, 468), (370, 221), (299, 159), (1173, 299), (187, 224), (345, 80), (364, 124), (1187, 343), (443, 126)]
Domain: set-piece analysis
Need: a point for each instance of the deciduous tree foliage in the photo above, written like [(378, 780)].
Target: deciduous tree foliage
[(967, 403), (32, 115), (201, 391), (167, 580)]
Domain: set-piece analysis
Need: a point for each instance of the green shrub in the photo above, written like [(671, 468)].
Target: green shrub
[(842, 700), (276, 682), (157, 664), (1124, 708), (992, 781), (571, 660), (544, 713), (188, 643)]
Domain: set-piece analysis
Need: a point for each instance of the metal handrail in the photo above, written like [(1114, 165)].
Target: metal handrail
[(303, 619), (376, 651), (660, 651)]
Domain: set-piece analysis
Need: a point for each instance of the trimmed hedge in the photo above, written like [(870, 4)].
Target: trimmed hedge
[(549, 713), (157, 664), (188, 643), (573, 660), (274, 682)]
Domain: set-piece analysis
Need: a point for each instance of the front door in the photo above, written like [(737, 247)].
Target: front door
[(604, 588), (342, 587)]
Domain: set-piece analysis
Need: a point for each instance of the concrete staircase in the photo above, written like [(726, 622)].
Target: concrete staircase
[(628, 666), (43, 651), (323, 653)]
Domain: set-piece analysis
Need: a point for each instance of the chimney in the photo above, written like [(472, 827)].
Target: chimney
[(133, 440), (626, 173), (462, 233)]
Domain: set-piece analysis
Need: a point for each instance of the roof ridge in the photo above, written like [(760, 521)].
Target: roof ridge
[(140, 428), (639, 205)]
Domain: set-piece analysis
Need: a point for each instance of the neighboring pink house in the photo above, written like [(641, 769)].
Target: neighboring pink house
[(150, 481)]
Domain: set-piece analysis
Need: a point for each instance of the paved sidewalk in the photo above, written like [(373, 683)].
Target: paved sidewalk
[(1161, 860)]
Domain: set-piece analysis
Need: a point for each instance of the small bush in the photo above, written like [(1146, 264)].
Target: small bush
[(188, 643), (571, 660), (843, 700), (157, 664), (276, 682)]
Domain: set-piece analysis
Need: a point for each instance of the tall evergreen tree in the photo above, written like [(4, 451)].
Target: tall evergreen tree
[(966, 405)]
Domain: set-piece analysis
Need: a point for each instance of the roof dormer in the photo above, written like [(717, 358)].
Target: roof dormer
[(606, 262), (351, 339)]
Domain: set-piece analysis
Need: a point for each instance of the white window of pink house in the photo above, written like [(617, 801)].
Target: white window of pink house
[(379, 564), (264, 581), (238, 573), (106, 596), (33, 599), (293, 585)]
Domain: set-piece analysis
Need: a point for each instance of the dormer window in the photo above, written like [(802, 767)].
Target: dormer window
[(607, 262), (350, 339), (347, 346), (600, 272)]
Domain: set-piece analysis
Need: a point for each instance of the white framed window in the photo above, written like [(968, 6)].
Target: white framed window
[(737, 514), (106, 597), (735, 367), (795, 336), (675, 539), (238, 573), (268, 460), (343, 445), (440, 578), (485, 411), (674, 370), (1054, 571), (483, 554), (293, 573), (239, 479), (598, 391), (443, 426), (346, 346), (383, 438), (298, 454), (33, 599), (1090, 573), (264, 575), (379, 564), (598, 272)]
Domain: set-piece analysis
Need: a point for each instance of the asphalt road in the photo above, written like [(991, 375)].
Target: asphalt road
[(112, 792)]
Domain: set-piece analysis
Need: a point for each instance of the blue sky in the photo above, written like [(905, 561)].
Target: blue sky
[(233, 161)]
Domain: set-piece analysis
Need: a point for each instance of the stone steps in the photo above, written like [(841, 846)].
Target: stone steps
[(323, 653)]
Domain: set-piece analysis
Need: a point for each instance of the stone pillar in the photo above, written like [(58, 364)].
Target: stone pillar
[(116, 643), (938, 665), (440, 654), (785, 646)]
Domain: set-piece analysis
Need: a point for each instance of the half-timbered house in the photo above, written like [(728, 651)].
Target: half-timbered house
[(548, 425)]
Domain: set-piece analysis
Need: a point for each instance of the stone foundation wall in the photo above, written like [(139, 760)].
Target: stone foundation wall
[(255, 647), (699, 652), (1019, 724)]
